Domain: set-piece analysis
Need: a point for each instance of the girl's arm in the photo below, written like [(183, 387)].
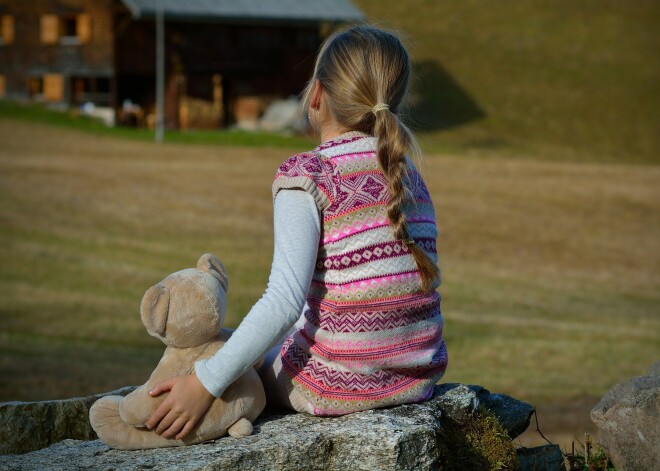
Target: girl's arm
[(297, 231)]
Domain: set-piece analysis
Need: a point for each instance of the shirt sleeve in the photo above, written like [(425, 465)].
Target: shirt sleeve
[(297, 231)]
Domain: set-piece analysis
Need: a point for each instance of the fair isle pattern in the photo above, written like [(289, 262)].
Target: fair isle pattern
[(309, 172), (409, 346), (417, 392), (371, 253), (359, 191), (395, 287), (343, 139), (364, 220), (375, 319), (375, 355), (371, 337), (335, 383)]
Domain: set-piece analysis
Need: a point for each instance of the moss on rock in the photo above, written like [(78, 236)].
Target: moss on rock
[(481, 443)]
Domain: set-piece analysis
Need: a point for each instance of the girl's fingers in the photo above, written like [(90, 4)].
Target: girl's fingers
[(186, 430), (162, 387), (166, 422), (176, 426), (158, 415)]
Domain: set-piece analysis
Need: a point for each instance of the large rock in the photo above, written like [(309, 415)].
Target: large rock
[(459, 402), (628, 422), (28, 426), (398, 438)]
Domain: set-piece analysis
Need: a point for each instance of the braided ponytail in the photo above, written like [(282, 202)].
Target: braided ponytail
[(394, 141), (365, 73)]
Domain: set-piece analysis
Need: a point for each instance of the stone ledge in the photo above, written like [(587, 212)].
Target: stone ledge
[(29, 426), (398, 438)]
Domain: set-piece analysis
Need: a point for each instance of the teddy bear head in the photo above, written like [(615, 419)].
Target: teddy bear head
[(187, 308)]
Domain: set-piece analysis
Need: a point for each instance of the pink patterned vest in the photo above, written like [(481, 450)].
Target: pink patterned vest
[(372, 337)]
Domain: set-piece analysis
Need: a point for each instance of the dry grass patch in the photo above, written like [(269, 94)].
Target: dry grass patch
[(551, 269)]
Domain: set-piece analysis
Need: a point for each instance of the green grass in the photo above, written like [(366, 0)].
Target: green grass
[(551, 281), (37, 113), (555, 79)]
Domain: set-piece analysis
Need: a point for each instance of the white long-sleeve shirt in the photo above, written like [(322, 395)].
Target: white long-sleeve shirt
[(296, 231)]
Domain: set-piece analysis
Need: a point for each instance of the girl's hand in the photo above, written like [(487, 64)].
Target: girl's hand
[(187, 402)]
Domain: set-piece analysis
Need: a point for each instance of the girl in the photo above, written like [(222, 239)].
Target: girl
[(354, 252)]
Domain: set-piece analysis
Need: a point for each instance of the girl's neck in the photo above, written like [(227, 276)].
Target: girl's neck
[(330, 135), (330, 129)]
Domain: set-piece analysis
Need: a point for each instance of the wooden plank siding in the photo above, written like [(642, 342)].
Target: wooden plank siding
[(218, 70), (255, 63), (41, 48)]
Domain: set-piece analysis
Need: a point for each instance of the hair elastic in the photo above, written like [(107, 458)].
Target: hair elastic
[(380, 107)]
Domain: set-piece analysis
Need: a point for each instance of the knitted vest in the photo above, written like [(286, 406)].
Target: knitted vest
[(371, 337)]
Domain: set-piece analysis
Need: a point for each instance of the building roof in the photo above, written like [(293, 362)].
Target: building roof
[(298, 11)]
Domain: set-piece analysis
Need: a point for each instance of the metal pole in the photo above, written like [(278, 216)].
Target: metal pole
[(160, 71)]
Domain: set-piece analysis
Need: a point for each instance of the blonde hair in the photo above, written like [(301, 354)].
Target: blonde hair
[(364, 72)]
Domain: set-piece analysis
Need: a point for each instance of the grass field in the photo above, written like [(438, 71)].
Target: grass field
[(551, 282), (553, 79), (71, 118), (539, 123)]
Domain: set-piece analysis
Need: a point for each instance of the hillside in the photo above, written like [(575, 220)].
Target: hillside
[(555, 79)]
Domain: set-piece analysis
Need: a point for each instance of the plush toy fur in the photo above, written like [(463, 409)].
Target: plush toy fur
[(186, 311)]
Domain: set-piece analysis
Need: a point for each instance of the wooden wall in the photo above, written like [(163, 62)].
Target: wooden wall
[(52, 42), (256, 64), (73, 50)]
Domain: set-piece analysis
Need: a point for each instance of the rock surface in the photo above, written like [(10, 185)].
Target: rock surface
[(399, 438), (459, 402), (28, 426), (628, 422), (546, 458)]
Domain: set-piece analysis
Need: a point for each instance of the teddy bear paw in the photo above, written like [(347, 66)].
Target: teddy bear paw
[(242, 428)]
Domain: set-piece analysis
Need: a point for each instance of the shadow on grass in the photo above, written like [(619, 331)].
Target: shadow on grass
[(437, 102)]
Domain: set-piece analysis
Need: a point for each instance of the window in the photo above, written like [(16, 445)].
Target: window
[(35, 87), (66, 29), (6, 29), (91, 89), (68, 26)]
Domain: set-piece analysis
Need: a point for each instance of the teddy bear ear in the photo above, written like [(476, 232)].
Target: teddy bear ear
[(210, 263), (155, 308)]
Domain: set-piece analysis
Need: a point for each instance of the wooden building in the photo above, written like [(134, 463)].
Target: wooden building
[(225, 60)]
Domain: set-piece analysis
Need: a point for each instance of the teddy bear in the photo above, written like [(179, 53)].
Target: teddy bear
[(186, 311)]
